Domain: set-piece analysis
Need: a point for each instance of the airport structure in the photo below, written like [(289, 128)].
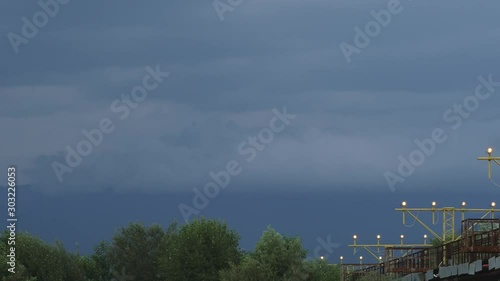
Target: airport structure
[(471, 253)]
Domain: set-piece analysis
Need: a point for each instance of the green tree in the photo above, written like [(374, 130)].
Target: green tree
[(198, 251), (134, 250), (486, 226), (275, 258), (320, 270), (97, 266), (4, 250), (249, 269), (37, 260), (70, 263), (284, 255)]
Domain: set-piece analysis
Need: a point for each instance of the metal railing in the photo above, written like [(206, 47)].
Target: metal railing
[(473, 246)]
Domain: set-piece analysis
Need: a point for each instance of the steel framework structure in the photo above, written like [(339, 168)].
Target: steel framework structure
[(448, 218)]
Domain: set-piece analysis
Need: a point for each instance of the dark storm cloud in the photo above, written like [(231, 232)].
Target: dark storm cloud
[(226, 77)]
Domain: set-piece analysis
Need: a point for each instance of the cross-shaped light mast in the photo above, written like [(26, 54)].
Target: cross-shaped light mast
[(490, 158)]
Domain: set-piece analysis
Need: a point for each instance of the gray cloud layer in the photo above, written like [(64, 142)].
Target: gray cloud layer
[(353, 120)]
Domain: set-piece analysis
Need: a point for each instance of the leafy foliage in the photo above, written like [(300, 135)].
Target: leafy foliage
[(135, 250), (276, 258), (320, 270), (36, 260), (97, 266), (200, 250), (250, 269)]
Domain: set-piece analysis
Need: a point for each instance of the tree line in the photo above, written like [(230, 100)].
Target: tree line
[(201, 250)]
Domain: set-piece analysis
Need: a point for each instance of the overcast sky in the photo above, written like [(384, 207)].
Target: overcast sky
[(228, 72)]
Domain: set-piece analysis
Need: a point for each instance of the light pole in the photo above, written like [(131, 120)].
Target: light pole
[(355, 237), (490, 158), (378, 243), (493, 204), (342, 269)]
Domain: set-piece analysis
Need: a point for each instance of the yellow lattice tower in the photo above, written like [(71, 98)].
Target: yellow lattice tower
[(449, 223), (448, 215)]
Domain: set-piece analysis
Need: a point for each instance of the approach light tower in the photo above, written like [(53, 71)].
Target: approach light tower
[(447, 218), (388, 249), (490, 158)]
